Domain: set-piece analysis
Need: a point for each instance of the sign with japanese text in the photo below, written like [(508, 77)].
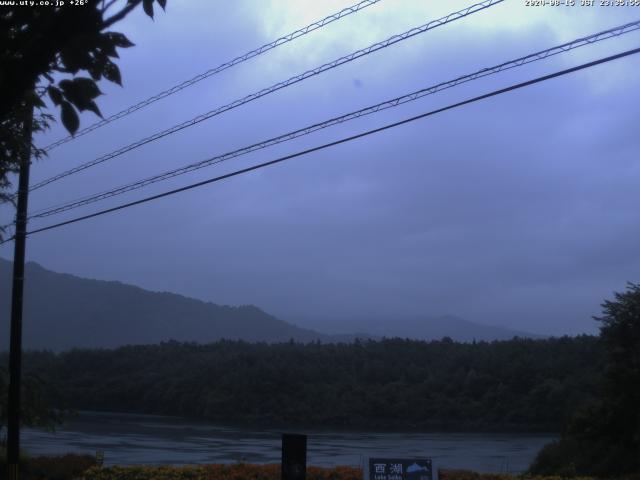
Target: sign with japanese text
[(400, 469)]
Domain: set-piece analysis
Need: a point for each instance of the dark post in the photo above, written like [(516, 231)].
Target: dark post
[(294, 457), (15, 347)]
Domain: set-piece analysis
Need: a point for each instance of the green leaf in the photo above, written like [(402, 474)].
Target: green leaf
[(87, 87), (95, 71), (72, 92), (69, 117), (97, 64), (55, 95), (80, 92), (35, 100), (94, 108), (112, 73), (108, 47), (69, 90), (75, 58), (118, 39), (69, 61), (147, 5)]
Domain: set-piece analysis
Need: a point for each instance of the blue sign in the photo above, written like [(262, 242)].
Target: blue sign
[(400, 469)]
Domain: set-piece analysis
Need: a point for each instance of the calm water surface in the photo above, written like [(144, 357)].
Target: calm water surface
[(148, 439)]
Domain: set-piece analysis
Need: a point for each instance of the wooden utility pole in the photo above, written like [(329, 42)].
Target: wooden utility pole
[(15, 347)]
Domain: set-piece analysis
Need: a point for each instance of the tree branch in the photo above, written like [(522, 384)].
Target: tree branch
[(107, 6), (121, 14)]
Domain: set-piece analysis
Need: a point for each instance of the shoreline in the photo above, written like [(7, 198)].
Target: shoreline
[(325, 428)]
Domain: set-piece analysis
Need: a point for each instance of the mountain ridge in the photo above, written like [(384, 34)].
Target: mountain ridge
[(420, 327), (64, 311)]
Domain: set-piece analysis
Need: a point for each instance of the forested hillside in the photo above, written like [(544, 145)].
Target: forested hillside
[(64, 311), (527, 385)]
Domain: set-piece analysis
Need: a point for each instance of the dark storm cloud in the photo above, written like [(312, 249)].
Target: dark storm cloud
[(518, 211)]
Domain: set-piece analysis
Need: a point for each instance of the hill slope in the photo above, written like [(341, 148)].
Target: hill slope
[(63, 311)]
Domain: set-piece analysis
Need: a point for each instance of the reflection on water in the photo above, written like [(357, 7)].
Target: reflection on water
[(147, 439)]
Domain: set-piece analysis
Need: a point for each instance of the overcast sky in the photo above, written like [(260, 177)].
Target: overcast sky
[(521, 210)]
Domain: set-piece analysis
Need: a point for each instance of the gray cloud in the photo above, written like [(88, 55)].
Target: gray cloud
[(520, 210)]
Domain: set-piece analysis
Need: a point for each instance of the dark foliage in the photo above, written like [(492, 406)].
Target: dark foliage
[(40, 47), (397, 384), (603, 438), (36, 410), (66, 467)]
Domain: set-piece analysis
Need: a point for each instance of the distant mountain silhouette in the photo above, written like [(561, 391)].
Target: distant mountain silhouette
[(416, 327), (63, 311)]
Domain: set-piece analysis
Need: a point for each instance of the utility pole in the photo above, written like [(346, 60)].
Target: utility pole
[(15, 347)]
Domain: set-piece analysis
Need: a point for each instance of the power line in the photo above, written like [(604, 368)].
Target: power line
[(242, 58), (543, 54), (343, 140), (278, 86)]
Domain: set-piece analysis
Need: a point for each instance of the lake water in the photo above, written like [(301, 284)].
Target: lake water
[(148, 439)]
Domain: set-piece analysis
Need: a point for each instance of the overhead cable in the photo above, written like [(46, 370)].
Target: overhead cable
[(565, 47), (341, 141), (278, 86), (220, 68)]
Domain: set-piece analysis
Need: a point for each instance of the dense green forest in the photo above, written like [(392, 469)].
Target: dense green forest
[(602, 437), (521, 384)]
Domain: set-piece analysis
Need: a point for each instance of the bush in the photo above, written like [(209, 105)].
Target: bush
[(216, 472), (66, 467), (469, 475), (555, 459)]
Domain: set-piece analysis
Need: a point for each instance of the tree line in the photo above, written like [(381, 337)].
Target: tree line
[(516, 385), (603, 436)]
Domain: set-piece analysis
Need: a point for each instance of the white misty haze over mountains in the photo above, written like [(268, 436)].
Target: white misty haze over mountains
[(518, 211)]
